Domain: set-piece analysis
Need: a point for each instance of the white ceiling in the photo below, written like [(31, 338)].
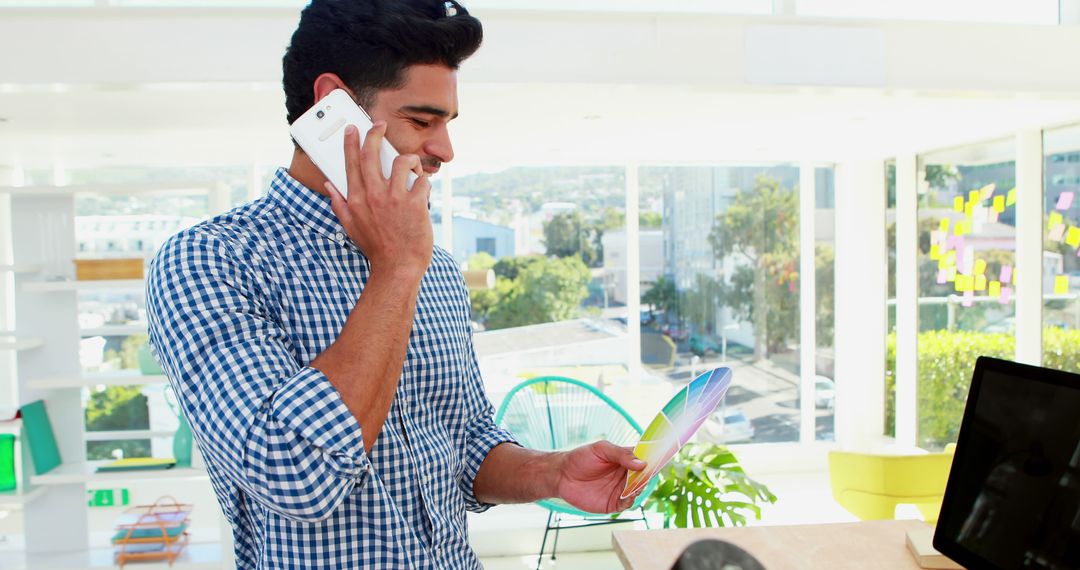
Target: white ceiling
[(505, 124)]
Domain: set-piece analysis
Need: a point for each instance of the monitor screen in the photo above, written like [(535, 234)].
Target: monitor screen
[(1013, 496)]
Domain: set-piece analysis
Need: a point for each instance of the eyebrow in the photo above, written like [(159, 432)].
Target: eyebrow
[(429, 110)]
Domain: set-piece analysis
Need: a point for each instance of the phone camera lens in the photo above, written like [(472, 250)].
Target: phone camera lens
[(320, 114)]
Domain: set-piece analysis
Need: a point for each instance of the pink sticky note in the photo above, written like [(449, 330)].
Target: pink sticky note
[(969, 298), (942, 276), (1006, 295), (1065, 200), (1006, 274)]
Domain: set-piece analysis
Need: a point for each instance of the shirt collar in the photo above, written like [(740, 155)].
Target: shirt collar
[(309, 207)]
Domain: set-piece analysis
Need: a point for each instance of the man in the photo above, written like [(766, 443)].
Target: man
[(321, 347)]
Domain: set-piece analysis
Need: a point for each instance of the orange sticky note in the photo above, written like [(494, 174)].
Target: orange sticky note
[(995, 289), (999, 204), (1061, 285), (980, 283), (1010, 199), (958, 203)]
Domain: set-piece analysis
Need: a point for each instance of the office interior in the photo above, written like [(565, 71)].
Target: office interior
[(611, 142)]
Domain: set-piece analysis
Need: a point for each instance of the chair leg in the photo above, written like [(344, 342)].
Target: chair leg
[(644, 518), (547, 527), (555, 545)]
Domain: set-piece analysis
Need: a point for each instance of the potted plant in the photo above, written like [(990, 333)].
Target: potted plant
[(704, 486)]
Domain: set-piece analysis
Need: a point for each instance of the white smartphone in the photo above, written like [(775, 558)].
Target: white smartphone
[(321, 133)]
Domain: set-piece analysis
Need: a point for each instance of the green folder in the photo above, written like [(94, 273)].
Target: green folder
[(39, 435), (7, 462)]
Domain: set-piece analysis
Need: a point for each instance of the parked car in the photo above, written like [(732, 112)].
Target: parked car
[(824, 392), (676, 331), (700, 344), (727, 426)]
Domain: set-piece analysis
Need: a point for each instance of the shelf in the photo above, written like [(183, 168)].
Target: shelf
[(114, 284), (20, 269), (115, 330), (121, 378), (12, 427), (71, 473), (10, 343), (197, 556), (11, 500)]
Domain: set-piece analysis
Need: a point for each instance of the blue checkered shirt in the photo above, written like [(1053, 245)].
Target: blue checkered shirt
[(239, 305)]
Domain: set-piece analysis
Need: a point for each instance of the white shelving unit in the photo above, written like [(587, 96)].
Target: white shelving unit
[(103, 285), (94, 380), (53, 505)]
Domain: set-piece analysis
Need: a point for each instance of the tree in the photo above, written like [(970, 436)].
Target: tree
[(541, 290), (569, 234), (650, 220), (481, 261), (699, 303), (761, 227), (662, 295)]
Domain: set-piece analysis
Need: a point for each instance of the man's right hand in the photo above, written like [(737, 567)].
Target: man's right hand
[(388, 222)]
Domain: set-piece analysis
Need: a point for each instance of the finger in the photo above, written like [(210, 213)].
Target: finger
[(399, 174), (370, 163), (421, 189), (338, 205), (353, 155), (621, 455)]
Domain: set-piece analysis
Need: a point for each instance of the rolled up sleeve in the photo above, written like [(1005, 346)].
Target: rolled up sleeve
[(274, 427)]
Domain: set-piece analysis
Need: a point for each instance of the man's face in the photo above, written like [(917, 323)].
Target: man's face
[(417, 114)]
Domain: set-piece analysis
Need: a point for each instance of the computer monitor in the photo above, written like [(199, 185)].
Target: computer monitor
[(1013, 496)]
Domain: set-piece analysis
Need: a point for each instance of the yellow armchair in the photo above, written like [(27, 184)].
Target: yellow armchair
[(870, 486)]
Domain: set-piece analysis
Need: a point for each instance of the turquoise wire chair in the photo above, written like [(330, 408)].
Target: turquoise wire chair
[(552, 413)]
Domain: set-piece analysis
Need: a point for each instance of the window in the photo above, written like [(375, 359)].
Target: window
[(825, 306), (1061, 238), (486, 245), (890, 298), (725, 248), (966, 256)]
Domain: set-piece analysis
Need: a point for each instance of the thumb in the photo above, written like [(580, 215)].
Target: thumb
[(623, 456), (338, 205)]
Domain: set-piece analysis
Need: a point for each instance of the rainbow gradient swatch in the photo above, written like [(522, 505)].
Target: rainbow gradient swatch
[(676, 423)]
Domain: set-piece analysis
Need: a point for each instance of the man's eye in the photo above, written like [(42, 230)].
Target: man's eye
[(420, 123)]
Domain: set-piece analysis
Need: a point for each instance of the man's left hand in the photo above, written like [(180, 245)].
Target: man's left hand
[(592, 477)]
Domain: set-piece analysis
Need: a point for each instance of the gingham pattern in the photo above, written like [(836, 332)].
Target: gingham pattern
[(239, 305)]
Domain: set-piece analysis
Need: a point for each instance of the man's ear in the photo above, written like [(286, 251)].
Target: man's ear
[(326, 83)]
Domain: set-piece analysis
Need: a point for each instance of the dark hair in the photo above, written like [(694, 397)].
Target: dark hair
[(370, 43)]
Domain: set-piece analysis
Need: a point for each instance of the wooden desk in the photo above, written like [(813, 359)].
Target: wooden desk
[(861, 545)]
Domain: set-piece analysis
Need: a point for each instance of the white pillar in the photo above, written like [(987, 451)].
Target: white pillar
[(448, 213), (633, 270), (1029, 247), (807, 302), (860, 302), (907, 299), (1069, 12)]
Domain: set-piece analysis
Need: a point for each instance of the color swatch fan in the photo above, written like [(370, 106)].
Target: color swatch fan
[(675, 425)]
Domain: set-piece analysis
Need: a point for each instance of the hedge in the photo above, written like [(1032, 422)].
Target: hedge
[(946, 360)]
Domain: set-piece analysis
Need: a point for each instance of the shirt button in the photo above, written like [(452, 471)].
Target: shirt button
[(339, 237)]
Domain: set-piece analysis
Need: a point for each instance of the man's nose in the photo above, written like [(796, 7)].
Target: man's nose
[(439, 145)]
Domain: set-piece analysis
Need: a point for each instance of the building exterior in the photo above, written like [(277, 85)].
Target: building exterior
[(473, 236)]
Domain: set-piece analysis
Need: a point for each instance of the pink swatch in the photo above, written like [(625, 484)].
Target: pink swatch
[(1006, 274), (1065, 200), (969, 298), (1006, 295)]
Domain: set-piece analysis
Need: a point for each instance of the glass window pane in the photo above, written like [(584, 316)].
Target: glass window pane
[(825, 288), (966, 253), (890, 302), (725, 290), (1061, 238)]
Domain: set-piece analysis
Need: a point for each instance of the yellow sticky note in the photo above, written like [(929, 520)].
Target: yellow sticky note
[(1055, 220), (1014, 277), (1072, 237), (980, 283), (944, 227), (999, 204), (935, 252), (995, 289), (980, 266), (948, 260), (1061, 285), (969, 210), (962, 227), (963, 283), (1010, 199), (958, 204), (975, 196)]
